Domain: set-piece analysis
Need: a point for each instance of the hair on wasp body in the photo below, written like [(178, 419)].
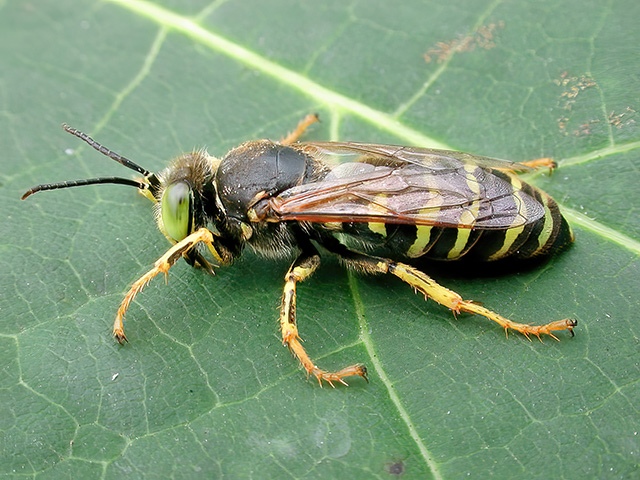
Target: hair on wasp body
[(379, 208)]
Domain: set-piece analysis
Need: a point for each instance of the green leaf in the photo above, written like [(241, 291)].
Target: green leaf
[(205, 387)]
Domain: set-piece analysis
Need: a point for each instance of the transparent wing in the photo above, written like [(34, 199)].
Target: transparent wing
[(383, 183), (335, 153)]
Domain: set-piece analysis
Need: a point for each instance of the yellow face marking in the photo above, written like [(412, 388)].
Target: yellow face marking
[(147, 193)]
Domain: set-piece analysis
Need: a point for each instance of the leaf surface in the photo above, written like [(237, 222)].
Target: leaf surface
[(205, 387)]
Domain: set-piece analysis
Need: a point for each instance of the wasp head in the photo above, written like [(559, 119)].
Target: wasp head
[(185, 198)]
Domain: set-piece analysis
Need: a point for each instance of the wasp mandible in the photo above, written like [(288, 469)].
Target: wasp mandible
[(371, 205)]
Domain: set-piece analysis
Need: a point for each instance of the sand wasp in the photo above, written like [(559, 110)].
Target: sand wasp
[(371, 205)]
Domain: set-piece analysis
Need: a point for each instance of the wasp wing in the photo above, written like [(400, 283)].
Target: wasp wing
[(407, 185), (335, 153)]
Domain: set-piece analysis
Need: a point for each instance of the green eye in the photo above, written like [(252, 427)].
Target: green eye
[(176, 210)]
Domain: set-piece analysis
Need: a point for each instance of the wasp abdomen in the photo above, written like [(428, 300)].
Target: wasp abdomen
[(546, 235)]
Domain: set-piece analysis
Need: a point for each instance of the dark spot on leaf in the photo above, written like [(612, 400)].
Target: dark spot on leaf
[(395, 469)]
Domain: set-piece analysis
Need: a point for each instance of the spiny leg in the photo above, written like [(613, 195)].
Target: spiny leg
[(162, 265), (448, 298), (300, 129), (302, 269), (431, 289)]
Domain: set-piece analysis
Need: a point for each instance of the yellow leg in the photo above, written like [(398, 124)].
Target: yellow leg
[(299, 271), (300, 129), (536, 164), (544, 162), (162, 265), (452, 300)]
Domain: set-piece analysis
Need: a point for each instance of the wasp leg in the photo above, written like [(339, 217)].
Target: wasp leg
[(538, 163), (302, 269), (448, 298), (431, 289), (162, 265), (300, 129)]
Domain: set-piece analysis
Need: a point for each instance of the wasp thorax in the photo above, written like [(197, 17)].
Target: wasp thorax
[(259, 169), (177, 210)]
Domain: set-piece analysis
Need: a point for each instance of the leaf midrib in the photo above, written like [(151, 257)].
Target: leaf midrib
[(190, 27)]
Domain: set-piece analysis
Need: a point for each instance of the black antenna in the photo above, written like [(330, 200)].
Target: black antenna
[(105, 151), (152, 179), (88, 181)]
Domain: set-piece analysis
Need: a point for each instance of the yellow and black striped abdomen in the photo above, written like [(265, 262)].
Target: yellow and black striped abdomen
[(545, 234)]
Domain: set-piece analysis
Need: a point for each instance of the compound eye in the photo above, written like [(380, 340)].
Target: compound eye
[(177, 210)]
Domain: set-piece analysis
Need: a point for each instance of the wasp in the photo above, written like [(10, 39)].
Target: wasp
[(376, 207)]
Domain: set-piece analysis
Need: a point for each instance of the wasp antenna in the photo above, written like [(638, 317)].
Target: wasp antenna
[(87, 181), (105, 151)]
